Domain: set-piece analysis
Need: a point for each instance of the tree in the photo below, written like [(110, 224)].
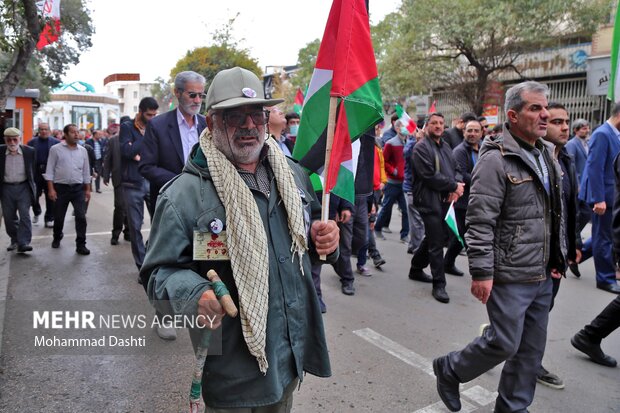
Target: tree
[(463, 44), (306, 59), (20, 26), (225, 53), (209, 60)]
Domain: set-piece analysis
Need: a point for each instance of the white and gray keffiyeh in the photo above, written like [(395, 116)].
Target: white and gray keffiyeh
[(247, 240)]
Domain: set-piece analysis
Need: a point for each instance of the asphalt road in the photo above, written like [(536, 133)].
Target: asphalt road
[(381, 341)]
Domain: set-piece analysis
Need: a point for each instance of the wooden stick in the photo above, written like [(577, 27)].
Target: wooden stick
[(226, 300), (331, 128)]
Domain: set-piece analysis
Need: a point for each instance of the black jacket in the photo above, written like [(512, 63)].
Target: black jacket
[(435, 175), (453, 137), (112, 162), (29, 163), (570, 187), (131, 142), (465, 164)]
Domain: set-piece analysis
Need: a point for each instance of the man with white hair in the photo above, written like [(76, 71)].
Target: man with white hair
[(17, 189), (243, 209)]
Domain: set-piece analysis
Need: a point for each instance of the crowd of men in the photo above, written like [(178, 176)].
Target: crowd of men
[(229, 175)]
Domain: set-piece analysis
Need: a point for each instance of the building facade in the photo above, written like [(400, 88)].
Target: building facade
[(129, 90)]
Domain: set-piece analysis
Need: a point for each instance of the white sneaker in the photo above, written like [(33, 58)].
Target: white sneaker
[(166, 333), (35, 219)]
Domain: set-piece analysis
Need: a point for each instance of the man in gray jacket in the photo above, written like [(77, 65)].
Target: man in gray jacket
[(515, 245)]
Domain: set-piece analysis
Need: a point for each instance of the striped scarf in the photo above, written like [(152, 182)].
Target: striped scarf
[(247, 240)]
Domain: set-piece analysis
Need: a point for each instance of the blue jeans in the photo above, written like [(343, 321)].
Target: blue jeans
[(602, 248), (393, 193), (135, 196)]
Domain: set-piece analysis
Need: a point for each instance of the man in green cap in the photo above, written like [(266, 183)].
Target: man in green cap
[(243, 209)]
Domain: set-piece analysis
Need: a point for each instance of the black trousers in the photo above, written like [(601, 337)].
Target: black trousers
[(98, 168), (119, 217), (604, 323), (430, 250), (74, 195), (454, 245), (353, 236), (41, 184)]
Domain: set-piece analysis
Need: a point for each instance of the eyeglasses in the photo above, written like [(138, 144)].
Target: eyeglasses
[(193, 95), (237, 118)]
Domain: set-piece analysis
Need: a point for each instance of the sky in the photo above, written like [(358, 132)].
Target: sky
[(149, 37)]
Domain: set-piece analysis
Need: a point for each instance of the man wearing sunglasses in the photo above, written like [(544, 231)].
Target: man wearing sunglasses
[(243, 209), (169, 137)]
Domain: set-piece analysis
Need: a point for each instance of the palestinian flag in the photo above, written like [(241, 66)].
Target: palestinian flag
[(405, 120), (299, 101), (451, 222), (346, 69), (613, 93)]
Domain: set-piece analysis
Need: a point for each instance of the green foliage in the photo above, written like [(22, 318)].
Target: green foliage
[(209, 60), (44, 69), (163, 93), (224, 54), (461, 44), (306, 59)]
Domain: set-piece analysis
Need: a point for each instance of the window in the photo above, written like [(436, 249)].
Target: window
[(135, 94), (86, 117)]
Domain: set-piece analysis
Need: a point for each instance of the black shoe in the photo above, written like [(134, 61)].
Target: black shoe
[(56, 243), (574, 268), (98, 191), (419, 275), (126, 236), (12, 246), (114, 241), (612, 288), (378, 261), (549, 379), (410, 251), (24, 248), (82, 250), (441, 295), (454, 271), (447, 387), (348, 289), (593, 350)]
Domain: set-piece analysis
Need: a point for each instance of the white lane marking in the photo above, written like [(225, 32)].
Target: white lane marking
[(439, 407), (395, 349), (476, 393), (480, 395), (90, 234)]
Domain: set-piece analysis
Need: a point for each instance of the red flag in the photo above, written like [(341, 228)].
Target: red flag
[(50, 10), (432, 108)]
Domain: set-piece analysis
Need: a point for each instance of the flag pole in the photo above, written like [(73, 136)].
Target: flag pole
[(331, 128)]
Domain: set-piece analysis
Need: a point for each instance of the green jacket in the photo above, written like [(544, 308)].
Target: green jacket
[(295, 336)]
